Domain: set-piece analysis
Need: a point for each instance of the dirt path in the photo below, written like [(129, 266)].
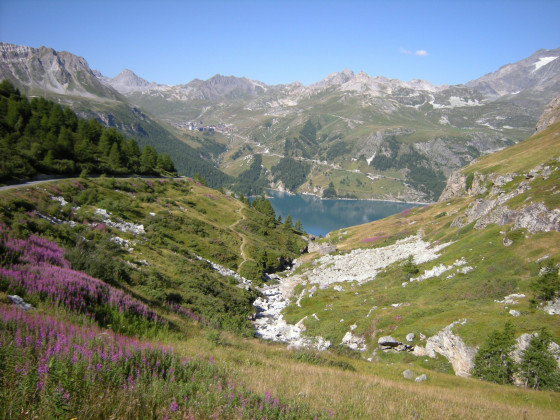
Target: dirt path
[(242, 236)]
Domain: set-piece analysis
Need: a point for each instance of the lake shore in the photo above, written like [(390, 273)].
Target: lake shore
[(423, 203)]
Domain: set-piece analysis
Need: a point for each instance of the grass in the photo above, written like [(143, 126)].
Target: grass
[(436, 302), (191, 219)]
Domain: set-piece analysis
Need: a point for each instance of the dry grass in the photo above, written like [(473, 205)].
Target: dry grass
[(376, 390)]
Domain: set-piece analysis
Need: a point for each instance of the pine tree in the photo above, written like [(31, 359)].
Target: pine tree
[(547, 285), (538, 367), (148, 160), (104, 146), (493, 361), (298, 227), (288, 222), (115, 157), (330, 192)]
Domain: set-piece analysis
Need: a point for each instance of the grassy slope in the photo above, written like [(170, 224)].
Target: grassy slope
[(336, 380), (436, 302), (181, 219)]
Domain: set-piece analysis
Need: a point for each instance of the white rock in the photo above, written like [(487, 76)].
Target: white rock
[(511, 299), (408, 374), (363, 265), (453, 348), (354, 342), (552, 307)]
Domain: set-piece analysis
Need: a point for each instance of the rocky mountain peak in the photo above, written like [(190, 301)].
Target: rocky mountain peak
[(420, 84), (45, 69), (231, 87), (334, 79), (127, 81), (539, 71)]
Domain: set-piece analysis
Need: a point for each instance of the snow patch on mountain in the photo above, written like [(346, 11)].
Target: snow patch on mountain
[(543, 61)]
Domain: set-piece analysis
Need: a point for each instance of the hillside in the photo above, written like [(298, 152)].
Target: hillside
[(149, 267), (429, 285), (68, 80), (40, 137), (370, 136)]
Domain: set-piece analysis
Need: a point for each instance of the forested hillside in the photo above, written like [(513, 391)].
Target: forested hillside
[(38, 136)]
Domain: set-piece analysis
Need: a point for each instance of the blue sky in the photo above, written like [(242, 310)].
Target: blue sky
[(174, 42)]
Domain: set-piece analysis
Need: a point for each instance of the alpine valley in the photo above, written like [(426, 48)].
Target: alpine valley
[(166, 298), (371, 137)]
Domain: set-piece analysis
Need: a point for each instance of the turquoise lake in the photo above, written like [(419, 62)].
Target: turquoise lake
[(320, 217)]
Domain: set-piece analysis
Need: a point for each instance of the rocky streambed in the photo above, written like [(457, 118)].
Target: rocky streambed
[(360, 265)]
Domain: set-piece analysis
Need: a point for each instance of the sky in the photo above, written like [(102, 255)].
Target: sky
[(278, 42)]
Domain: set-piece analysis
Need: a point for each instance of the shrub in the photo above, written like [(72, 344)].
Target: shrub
[(469, 181), (410, 268)]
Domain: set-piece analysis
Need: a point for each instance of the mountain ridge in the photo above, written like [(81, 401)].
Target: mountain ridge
[(350, 127)]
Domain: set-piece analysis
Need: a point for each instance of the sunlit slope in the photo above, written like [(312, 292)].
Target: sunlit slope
[(495, 233)]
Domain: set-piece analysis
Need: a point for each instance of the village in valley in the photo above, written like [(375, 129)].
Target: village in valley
[(199, 126)]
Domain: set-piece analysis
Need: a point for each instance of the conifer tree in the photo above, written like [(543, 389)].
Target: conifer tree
[(114, 157), (493, 361), (547, 285), (538, 368), (288, 222)]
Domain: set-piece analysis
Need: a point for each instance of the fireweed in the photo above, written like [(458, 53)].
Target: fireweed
[(51, 367), (37, 267)]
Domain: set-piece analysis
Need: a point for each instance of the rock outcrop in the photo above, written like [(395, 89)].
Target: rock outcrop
[(535, 216), (452, 347), (523, 342), (550, 115), (355, 342), (20, 303), (456, 186)]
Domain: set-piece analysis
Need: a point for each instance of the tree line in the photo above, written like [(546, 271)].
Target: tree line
[(39, 136)]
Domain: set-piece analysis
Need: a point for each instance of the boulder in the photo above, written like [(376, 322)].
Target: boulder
[(410, 337), (409, 374), (552, 307), (354, 342), (421, 378), (453, 348), (388, 341), (419, 351), (20, 303)]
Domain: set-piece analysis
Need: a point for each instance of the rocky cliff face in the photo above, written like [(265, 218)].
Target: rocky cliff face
[(540, 72), (550, 115), (44, 69)]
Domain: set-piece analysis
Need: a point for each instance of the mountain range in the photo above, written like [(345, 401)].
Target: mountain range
[(120, 297), (371, 137)]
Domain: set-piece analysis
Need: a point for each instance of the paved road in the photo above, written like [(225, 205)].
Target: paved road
[(27, 184)]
